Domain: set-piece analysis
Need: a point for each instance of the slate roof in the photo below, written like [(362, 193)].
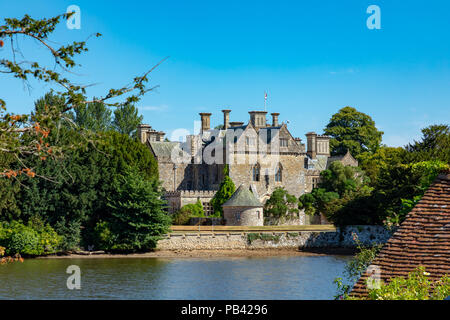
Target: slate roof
[(339, 158), (163, 149), (242, 197), (423, 239)]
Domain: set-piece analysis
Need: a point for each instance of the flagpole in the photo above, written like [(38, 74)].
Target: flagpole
[(265, 98)]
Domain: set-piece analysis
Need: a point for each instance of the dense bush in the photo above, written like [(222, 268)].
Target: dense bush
[(28, 239), (181, 217), (188, 211)]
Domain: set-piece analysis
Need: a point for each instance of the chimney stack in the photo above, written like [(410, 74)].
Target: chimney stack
[(205, 117), (275, 119), (311, 141), (142, 131), (258, 119), (226, 119)]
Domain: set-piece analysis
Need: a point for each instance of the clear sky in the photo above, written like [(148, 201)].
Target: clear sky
[(312, 57)]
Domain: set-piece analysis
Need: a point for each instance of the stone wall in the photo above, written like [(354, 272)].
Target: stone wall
[(293, 175), (341, 238), (177, 199), (243, 216), (300, 220)]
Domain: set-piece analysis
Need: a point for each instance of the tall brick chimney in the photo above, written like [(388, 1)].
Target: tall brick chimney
[(226, 119), (275, 119), (205, 117)]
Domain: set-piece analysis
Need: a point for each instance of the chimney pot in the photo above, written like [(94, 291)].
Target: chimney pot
[(275, 119)]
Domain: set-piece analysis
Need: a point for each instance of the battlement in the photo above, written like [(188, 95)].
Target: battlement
[(191, 193)]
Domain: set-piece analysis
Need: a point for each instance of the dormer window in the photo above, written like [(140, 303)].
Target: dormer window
[(283, 142)]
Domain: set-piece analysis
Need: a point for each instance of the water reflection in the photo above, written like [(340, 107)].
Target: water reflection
[(294, 277)]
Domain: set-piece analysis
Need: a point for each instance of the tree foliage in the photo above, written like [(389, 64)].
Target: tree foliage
[(226, 190), (93, 116), (188, 211), (137, 218), (25, 136), (60, 164), (417, 286), (281, 205), (435, 144), (340, 186), (127, 119), (354, 131)]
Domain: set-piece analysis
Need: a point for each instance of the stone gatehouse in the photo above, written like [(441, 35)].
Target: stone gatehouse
[(261, 156)]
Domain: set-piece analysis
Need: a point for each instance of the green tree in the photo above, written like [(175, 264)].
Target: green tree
[(400, 186), (434, 145), (26, 134), (384, 157), (226, 190), (354, 131), (137, 219), (94, 116), (281, 205), (340, 187), (127, 119), (50, 100)]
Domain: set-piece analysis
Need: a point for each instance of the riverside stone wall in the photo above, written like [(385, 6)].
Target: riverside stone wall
[(341, 238)]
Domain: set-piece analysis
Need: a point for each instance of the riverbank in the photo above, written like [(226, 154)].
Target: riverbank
[(207, 253)]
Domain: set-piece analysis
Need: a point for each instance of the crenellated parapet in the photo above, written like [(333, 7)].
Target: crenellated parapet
[(191, 193)]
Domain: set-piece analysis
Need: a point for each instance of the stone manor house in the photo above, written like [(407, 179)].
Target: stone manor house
[(261, 157)]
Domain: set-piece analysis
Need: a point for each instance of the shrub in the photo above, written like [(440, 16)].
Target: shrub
[(103, 237), (181, 217), (188, 211), (28, 239), (252, 237)]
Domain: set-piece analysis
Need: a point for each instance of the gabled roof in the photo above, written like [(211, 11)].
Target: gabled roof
[(242, 197), (340, 158), (423, 239)]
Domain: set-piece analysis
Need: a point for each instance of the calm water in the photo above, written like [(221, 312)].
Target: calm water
[(153, 278)]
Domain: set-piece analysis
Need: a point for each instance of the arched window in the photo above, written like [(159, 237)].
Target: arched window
[(256, 172), (279, 173)]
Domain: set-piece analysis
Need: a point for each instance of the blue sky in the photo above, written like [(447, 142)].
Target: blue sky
[(312, 57)]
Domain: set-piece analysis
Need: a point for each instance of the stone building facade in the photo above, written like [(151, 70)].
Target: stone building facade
[(261, 156)]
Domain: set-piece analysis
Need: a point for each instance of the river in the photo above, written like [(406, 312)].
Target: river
[(290, 277)]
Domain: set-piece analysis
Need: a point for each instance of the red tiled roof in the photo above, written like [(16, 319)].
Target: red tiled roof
[(423, 239)]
